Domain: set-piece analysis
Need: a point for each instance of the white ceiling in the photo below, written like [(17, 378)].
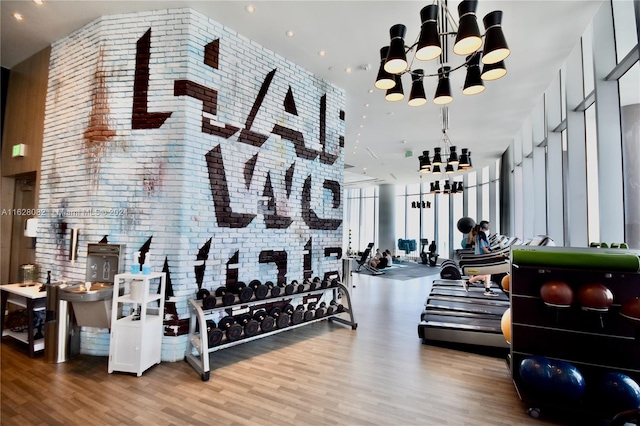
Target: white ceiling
[(541, 34)]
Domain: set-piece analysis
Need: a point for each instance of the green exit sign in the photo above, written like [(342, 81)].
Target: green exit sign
[(18, 150)]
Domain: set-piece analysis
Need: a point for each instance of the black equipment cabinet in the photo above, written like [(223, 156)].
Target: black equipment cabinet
[(330, 298), (596, 342)]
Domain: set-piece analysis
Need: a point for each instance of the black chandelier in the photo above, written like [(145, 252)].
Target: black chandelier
[(432, 43)]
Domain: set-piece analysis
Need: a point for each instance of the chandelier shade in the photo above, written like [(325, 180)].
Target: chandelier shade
[(395, 93), (468, 39), (473, 82), (443, 91), (493, 71), (417, 97), (384, 80), (429, 46), (453, 156), (396, 62), (495, 44)]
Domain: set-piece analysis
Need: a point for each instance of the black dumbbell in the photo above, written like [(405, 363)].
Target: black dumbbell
[(322, 310), (244, 292), (202, 293), (266, 321), (274, 289), (231, 327), (261, 291), (335, 282), (317, 281), (334, 308), (296, 315), (228, 298), (324, 283), (300, 288), (309, 314), (214, 334), (290, 288), (282, 318), (250, 325), (208, 302)]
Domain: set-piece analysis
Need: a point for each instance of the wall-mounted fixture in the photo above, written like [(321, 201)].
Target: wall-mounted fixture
[(31, 227), (432, 43), (19, 150), (73, 244)]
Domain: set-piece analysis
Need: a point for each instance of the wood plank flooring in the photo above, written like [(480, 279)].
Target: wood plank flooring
[(321, 374)]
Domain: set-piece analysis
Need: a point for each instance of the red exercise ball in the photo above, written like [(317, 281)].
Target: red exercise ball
[(557, 294), (630, 310), (595, 297)]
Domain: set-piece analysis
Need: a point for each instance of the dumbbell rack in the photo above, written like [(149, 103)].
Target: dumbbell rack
[(198, 350)]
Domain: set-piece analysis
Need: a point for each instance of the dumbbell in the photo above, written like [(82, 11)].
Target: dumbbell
[(244, 292), (317, 281), (261, 291), (324, 283), (214, 334), (208, 301), (334, 308), (322, 310), (228, 298), (232, 329), (250, 325), (282, 318), (300, 288), (335, 282), (290, 288), (273, 289), (296, 315), (266, 321), (309, 314)]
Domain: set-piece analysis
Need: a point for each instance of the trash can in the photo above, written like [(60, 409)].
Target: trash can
[(61, 334)]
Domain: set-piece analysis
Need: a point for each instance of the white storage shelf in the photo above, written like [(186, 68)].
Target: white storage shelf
[(136, 340), (25, 297)]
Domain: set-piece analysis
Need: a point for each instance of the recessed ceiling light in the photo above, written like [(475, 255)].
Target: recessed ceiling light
[(290, 33), (18, 16), (250, 8), (348, 69), (370, 90), (322, 53), (366, 105), (361, 126), (359, 134), (38, 2), (364, 116)]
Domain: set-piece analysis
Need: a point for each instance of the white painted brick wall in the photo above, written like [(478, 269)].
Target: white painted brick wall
[(179, 213)]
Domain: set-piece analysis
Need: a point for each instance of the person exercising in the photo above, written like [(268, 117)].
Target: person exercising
[(482, 247)]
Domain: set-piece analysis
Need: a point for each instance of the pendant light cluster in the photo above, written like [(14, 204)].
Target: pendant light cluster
[(421, 204), (445, 164), (432, 44)]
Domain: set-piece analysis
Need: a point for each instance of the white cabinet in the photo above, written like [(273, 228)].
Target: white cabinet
[(136, 322)]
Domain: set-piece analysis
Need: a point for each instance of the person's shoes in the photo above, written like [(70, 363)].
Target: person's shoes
[(489, 292)]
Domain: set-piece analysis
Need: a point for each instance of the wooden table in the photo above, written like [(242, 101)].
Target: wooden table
[(30, 298)]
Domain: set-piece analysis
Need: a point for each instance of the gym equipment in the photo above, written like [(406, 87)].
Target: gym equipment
[(535, 372), (450, 271), (630, 310), (208, 302), (228, 298), (296, 315), (505, 325), (202, 293), (465, 224), (249, 324), (557, 294), (567, 381), (244, 292), (267, 323), (363, 262), (595, 297), (232, 329), (320, 310), (282, 318), (274, 289), (214, 334), (620, 392), (301, 287), (261, 291), (290, 288), (334, 308)]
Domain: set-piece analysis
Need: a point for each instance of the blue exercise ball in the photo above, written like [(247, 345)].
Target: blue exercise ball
[(566, 380), (466, 224), (620, 392), (535, 372)]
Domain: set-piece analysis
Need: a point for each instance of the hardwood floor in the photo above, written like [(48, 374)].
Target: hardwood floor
[(321, 374)]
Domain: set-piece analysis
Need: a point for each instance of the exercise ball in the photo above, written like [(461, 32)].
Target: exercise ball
[(557, 294), (566, 380), (466, 224), (595, 297), (505, 325), (506, 283), (620, 392), (535, 372), (630, 310)]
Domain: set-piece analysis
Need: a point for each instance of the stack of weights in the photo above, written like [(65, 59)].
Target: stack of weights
[(267, 323), (232, 329), (244, 292), (282, 318), (273, 289), (260, 290), (250, 325)]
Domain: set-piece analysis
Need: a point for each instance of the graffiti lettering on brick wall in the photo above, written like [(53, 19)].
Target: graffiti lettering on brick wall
[(226, 217)]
